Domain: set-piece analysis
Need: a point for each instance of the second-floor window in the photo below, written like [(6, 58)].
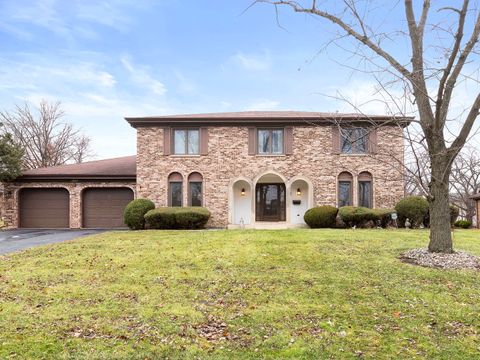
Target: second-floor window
[(270, 141), (186, 141), (354, 140)]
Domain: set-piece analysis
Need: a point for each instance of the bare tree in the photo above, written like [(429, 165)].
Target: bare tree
[(430, 69), (45, 138), (465, 181)]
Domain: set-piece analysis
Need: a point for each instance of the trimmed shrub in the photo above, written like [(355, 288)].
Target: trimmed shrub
[(414, 208), (134, 213), (321, 216), (357, 216), (161, 218), (464, 224), (177, 218), (384, 216), (191, 217)]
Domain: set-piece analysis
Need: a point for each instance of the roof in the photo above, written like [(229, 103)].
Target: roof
[(254, 117), (476, 196), (121, 168)]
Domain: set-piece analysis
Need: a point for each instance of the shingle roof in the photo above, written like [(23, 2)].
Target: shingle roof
[(116, 168), (226, 118), (476, 196)]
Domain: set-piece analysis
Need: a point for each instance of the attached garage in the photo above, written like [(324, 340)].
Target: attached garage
[(103, 207), (44, 208)]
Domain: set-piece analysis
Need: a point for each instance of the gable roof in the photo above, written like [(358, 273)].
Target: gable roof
[(262, 117), (121, 168)]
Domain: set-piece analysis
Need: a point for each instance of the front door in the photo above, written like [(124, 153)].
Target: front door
[(270, 202)]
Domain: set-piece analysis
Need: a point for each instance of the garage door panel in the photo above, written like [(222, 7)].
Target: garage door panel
[(103, 207), (44, 208)]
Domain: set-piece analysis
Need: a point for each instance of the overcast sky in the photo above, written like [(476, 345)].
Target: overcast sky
[(105, 60)]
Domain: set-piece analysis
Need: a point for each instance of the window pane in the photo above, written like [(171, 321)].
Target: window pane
[(179, 141), (277, 141), (193, 142), (263, 141), (364, 194), (344, 192), (196, 194), (175, 194), (360, 140), (346, 135)]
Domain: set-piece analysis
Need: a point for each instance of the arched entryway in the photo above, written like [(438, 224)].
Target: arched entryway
[(270, 198), (241, 213), (302, 199)]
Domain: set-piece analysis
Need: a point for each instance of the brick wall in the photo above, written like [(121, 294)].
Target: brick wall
[(228, 159), (11, 193)]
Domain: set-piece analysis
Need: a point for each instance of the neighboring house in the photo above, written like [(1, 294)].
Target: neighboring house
[(477, 200), (252, 169)]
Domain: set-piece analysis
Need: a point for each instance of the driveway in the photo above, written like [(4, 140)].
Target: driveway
[(19, 239)]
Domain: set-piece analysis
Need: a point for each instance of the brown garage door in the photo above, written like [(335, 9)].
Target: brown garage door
[(44, 208), (103, 207)]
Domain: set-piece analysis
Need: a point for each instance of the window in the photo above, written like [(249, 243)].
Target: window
[(365, 194), (186, 141), (270, 141), (354, 140), (345, 180), (195, 181), (175, 193)]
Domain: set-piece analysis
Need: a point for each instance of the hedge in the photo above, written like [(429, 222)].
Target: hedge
[(464, 224), (134, 213), (415, 208), (177, 218), (360, 216), (321, 216)]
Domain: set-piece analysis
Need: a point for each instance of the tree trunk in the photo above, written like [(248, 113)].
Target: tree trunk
[(440, 228)]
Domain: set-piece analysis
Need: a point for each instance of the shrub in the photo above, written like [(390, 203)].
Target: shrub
[(360, 216), (191, 217), (177, 218), (321, 216), (464, 224), (384, 216), (414, 208), (134, 213)]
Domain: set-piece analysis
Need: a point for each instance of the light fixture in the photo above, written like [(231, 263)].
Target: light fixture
[(242, 193), (299, 192)]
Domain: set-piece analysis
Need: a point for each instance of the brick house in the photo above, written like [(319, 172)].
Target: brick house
[(252, 169)]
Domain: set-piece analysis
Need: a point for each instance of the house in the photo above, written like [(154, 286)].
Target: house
[(477, 200), (252, 169)]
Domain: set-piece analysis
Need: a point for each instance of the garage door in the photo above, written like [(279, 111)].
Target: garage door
[(103, 207), (44, 208)]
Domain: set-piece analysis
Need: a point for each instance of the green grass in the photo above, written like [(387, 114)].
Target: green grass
[(319, 294)]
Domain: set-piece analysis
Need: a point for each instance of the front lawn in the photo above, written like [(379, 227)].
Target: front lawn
[(339, 294)]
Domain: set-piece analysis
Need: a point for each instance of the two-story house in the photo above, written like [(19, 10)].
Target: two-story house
[(252, 169)]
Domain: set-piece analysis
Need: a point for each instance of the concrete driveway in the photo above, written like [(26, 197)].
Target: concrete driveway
[(19, 239)]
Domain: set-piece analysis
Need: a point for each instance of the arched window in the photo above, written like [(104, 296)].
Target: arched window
[(365, 189), (175, 193), (195, 182), (345, 189)]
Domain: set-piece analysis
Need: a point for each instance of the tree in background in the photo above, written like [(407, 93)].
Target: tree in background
[(45, 138), (428, 72), (464, 179), (11, 155)]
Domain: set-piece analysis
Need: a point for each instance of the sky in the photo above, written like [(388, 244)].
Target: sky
[(108, 59)]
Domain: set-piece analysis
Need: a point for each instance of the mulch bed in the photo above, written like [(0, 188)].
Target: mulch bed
[(457, 260)]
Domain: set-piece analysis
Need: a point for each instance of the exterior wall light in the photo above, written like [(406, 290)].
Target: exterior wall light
[(299, 192), (242, 193)]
